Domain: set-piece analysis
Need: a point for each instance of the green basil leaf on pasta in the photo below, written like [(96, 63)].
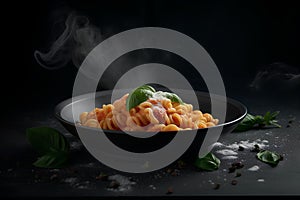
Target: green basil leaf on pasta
[(173, 97), (208, 163), (139, 95)]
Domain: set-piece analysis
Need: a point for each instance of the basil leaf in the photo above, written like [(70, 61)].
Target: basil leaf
[(247, 123), (43, 139), (173, 97), (139, 95), (269, 157), (259, 121), (270, 119), (50, 144), (54, 159), (143, 93), (209, 162)]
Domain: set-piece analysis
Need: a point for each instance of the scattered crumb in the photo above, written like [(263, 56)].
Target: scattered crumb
[(231, 169), (102, 177), (82, 185), (291, 120), (238, 174), (157, 176), (234, 182), (237, 165), (170, 190), (181, 164), (153, 187), (260, 180), (256, 148), (113, 184), (216, 186), (175, 172), (120, 183), (71, 180), (74, 182), (53, 177), (234, 166)]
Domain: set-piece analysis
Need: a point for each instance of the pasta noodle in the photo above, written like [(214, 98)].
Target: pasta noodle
[(155, 114)]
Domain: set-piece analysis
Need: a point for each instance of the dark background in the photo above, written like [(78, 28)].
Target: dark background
[(241, 37)]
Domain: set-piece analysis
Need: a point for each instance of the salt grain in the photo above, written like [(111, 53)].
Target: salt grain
[(82, 185), (71, 180), (246, 144), (230, 151), (76, 145), (153, 187), (254, 168), (217, 144), (229, 157), (227, 152), (125, 183)]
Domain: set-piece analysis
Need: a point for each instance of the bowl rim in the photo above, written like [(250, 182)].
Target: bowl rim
[(59, 107)]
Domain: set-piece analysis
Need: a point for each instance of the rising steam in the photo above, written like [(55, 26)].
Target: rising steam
[(277, 75), (76, 41)]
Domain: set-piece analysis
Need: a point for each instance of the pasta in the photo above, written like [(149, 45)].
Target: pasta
[(154, 114)]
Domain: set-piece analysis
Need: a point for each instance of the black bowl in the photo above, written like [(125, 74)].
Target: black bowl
[(64, 113)]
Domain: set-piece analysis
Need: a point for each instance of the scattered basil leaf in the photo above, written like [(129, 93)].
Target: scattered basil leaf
[(208, 163), (50, 144), (269, 157), (139, 95), (173, 97), (247, 123), (258, 121), (55, 159), (270, 119)]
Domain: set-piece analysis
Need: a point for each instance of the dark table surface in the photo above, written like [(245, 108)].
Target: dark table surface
[(20, 178)]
